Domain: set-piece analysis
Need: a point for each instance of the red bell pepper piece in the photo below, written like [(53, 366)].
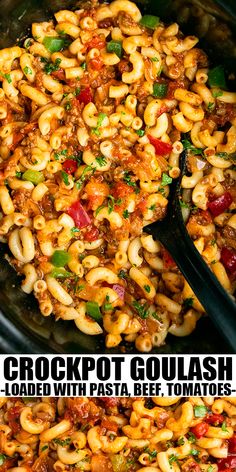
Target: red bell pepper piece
[(79, 215), (232, 444), (96, 42), (200, 429), (227, 464), (85, 96), (161, 148), (59, 74), (220, 204), (228, 259), (70, 166), (215, 419), (96, 63)]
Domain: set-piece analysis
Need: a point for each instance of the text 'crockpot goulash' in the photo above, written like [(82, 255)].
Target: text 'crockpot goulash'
[(118, 434), (95, 110)]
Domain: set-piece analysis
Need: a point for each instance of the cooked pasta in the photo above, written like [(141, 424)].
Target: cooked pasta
[(93, 110), (118, 434)]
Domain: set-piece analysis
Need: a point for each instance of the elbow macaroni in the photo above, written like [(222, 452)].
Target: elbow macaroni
[(94, 164)]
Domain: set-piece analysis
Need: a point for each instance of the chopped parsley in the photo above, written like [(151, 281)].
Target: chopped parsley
[(191, 438), (67, 106), (50, 67), (166, 179), (223, 427), (27, 70), (87, 169), (210, 468), (172, 458), (18, 174), (188, 146), (154, 59), (110, 204), (147, 288), (142, 310), (101, 118), (65, 177), (74, 230), (223, 155), (211, 106), (62, 442), (83, 65), (152, 454), (101, 160), (188, 302), (180, 441), (200, 411), (122, 274), (152, 207), (140, 132), (44, 448), (77, 91), (7, 77), (194, 452), (156, 316), (217, 93), (125, 214), (57, 155), (131, 183), (27, 43)]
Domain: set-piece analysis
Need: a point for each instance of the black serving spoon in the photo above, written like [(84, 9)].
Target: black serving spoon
[(171, 232)]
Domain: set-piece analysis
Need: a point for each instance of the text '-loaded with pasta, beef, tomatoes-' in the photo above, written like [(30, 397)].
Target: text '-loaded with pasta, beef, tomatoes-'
[(169, 434), (97, 107), (123, 376)]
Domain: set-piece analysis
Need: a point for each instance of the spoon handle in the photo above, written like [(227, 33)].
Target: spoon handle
[(217, 303)]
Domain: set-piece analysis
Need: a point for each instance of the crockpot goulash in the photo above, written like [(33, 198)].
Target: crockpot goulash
[(118, 434), (95, 110)]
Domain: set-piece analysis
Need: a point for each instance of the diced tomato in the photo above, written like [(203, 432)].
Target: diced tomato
[(79, 215), (96, 63), (142, 205), (220, 204), (200, 429), (232, 444), (121, 189), (215, 419), (59, 74), (110, 401), (14, 419), (167, 259), (92, 234), (228, 259), (227, 464), (227, 469), (96, 192), (96, 42), (85, 96), (70, 166), (19, 135), (109, 425), (161, 148)]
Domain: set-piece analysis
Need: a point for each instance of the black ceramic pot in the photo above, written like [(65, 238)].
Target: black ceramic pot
[(22, 328)]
